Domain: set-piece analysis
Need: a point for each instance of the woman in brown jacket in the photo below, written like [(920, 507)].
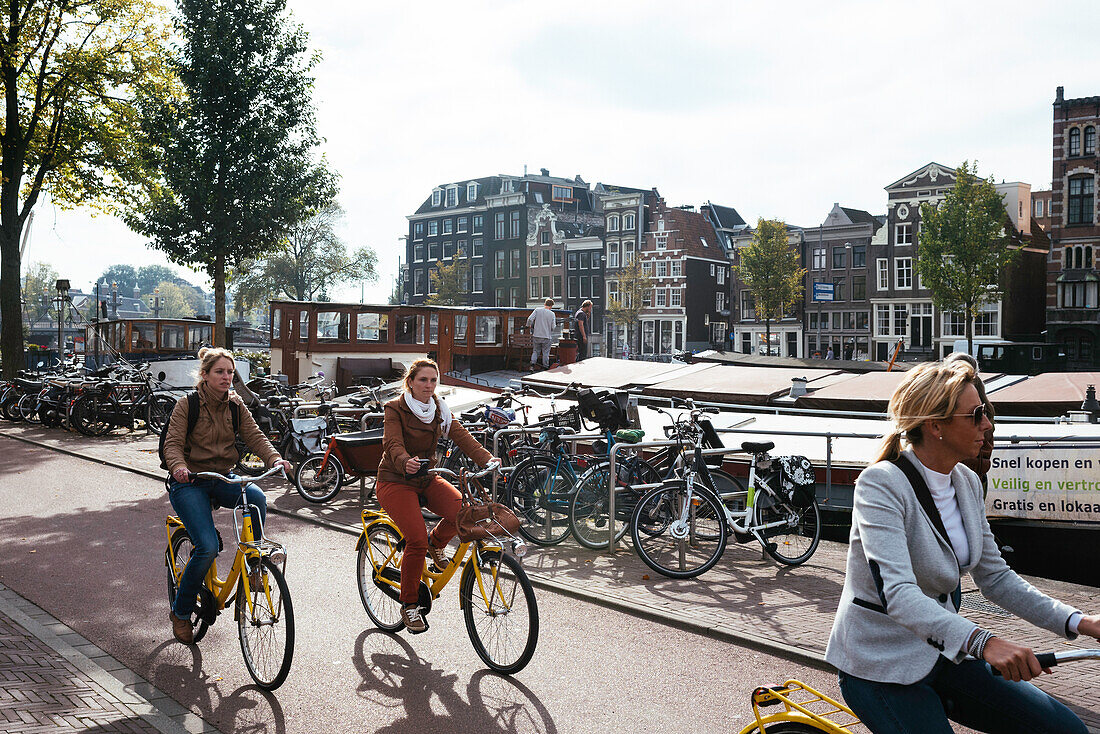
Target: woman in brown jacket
[(414, 422), (210, 446)]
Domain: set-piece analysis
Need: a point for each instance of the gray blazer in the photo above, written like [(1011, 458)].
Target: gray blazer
[(896, 614)]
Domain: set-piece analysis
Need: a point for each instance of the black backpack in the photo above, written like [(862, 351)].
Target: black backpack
[(192, 419)]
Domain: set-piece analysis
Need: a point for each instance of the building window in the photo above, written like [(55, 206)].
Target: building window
[(1038, 207), (838, 258), (712, 270), (1080, 200), (499, 301), (545, 238), (613, 255), (418, 252), (462, 224), (628, 221), (418, 282), (448, 226), (479, 246), (572, 261), (534, 258), (859, 256), (901, 320), (661, 297), (674, 297), (836, 320), (501, 264), (1075, 141), (545, 258), (498, 225), (719, 301), (662, 241), (557, 286), (433, 251), (861, 320), (448, 249), (662, 268), (953, 323), (546, 286), (647, 267), (721, 276), (471, 192), (515, 297), (903, 272), (557, 255), (584, 284), (452, 196), (433, 228), (748, 305), (478, 277), (903, 234), (986, 323), (437, 196), (883, 274), (882, 320), (613, 223), (676, 268), (534, 292), (628, 252), (818, 258), (517, 264), (1090, 140), (515, 224), (460, 249), (418, 231), (838, 289), (612, 290), (432, 281), (479, 223), (562, 193), (859, 287)]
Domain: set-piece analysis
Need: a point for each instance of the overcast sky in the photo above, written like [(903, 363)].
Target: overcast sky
[(775, 109)]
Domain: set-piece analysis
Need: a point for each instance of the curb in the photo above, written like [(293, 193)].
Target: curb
[(133, 694), (654, 614)]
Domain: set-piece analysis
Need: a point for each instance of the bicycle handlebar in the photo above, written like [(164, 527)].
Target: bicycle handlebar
[(1050, 659), (494, 466), (238, 480)]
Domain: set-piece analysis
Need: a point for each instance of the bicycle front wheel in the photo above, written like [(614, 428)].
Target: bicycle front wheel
[(265, 625), (158, 412), (502, 617), (588, 511), (316, 484), (379, 576), (539, 491), (796, 532), (693, 530)]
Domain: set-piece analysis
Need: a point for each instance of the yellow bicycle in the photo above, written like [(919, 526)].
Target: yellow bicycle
[(495, 595), (264, 614)]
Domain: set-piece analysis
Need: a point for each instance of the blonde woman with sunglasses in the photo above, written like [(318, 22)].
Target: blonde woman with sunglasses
[(908, 661)]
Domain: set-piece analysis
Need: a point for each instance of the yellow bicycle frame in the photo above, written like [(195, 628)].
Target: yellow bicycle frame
[(222, 589), (435, 581), (811, 708)]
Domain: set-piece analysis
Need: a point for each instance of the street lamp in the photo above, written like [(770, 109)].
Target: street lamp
[(62, 297), (156, 302)]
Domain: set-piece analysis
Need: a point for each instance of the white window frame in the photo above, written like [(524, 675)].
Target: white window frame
[(903, 266), (712, 268), (613, 223), (612, 290), (675, 297), (628, 249), (661, 241), (661, 297), (452, 197), (882, 271), (613, 254), (662, 268), (677, 269), (721, 274), (437, 196), (719, 301), (628, 221), (471, 192), (908, 231)]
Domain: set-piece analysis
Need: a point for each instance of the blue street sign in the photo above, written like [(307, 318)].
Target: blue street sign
[(823, 292)]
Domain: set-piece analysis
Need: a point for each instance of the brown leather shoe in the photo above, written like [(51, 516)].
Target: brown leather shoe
[(439, 558), (413, 619), (181, 629)]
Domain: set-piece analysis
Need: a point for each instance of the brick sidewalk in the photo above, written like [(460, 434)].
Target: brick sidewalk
[(746, 598), (54, 680)]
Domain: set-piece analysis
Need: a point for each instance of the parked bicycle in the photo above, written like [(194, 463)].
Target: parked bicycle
[(264, 613), (496, 597), (680, 528)]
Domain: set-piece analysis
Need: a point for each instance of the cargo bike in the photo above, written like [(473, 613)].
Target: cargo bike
[(344, 458)]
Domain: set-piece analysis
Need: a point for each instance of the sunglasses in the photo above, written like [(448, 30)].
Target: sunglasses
[(977, 414)]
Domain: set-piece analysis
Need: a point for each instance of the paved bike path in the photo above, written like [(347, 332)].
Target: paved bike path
[(746, 598)]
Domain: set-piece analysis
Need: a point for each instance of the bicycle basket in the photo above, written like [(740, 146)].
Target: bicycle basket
[(308, 432), (797, 480)]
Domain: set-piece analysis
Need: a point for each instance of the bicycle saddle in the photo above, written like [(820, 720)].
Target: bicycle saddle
[(758, 448)]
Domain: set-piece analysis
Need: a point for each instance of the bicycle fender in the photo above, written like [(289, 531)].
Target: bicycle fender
[(359, 542)]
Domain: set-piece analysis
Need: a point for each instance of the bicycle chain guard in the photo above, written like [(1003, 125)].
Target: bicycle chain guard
[(424, 594)]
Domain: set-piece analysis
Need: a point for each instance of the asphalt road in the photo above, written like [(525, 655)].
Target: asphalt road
[(85, 542)]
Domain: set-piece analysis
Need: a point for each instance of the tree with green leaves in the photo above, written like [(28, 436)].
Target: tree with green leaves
[(70, 72), (308, 265), (39, 290), (769, 267), (450, 282), (235, 152), (634, 286), (176, 301), (149, 277), (125, 277), (963, 247)]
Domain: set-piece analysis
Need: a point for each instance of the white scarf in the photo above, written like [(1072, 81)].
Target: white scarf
[(425, 412)]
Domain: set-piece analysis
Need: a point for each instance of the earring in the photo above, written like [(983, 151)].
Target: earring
[(941, 438)]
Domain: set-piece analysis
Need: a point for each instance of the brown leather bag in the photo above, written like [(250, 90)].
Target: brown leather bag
[(480, 520)]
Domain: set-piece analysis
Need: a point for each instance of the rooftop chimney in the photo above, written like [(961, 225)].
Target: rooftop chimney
[(1059, 96), (545, 171)]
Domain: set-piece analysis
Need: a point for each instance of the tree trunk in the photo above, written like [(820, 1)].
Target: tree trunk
[(11, 313), (767, 337), (969, 329), (219, 301)]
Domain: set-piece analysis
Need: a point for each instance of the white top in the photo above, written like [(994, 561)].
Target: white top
[(943, 494), (544, 321)]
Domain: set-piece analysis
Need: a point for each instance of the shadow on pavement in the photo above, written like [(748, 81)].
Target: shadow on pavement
[(393, 677)]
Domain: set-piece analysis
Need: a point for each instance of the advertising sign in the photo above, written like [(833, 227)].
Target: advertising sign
[(823, 292), (1047, 483)]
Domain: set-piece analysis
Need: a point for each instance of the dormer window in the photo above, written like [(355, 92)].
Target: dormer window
[(471, 191), (562, 193), (452, 196), (437, 197), (613, 223)]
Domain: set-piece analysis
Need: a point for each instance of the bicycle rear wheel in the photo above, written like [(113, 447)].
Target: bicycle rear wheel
[(266, 627), (158, 412), (88, 415), (502, 617), (380, 561), (794, 539), (317, 485), (694, 530), (181, 548), (539, 491)]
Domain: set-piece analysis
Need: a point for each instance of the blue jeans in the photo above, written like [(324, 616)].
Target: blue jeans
[(968, 693), (194, 503)]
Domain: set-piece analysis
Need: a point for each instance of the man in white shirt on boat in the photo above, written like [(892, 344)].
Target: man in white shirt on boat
[(542, 322)]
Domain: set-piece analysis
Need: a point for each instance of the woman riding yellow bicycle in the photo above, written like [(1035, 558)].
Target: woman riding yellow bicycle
[(205, 443)]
